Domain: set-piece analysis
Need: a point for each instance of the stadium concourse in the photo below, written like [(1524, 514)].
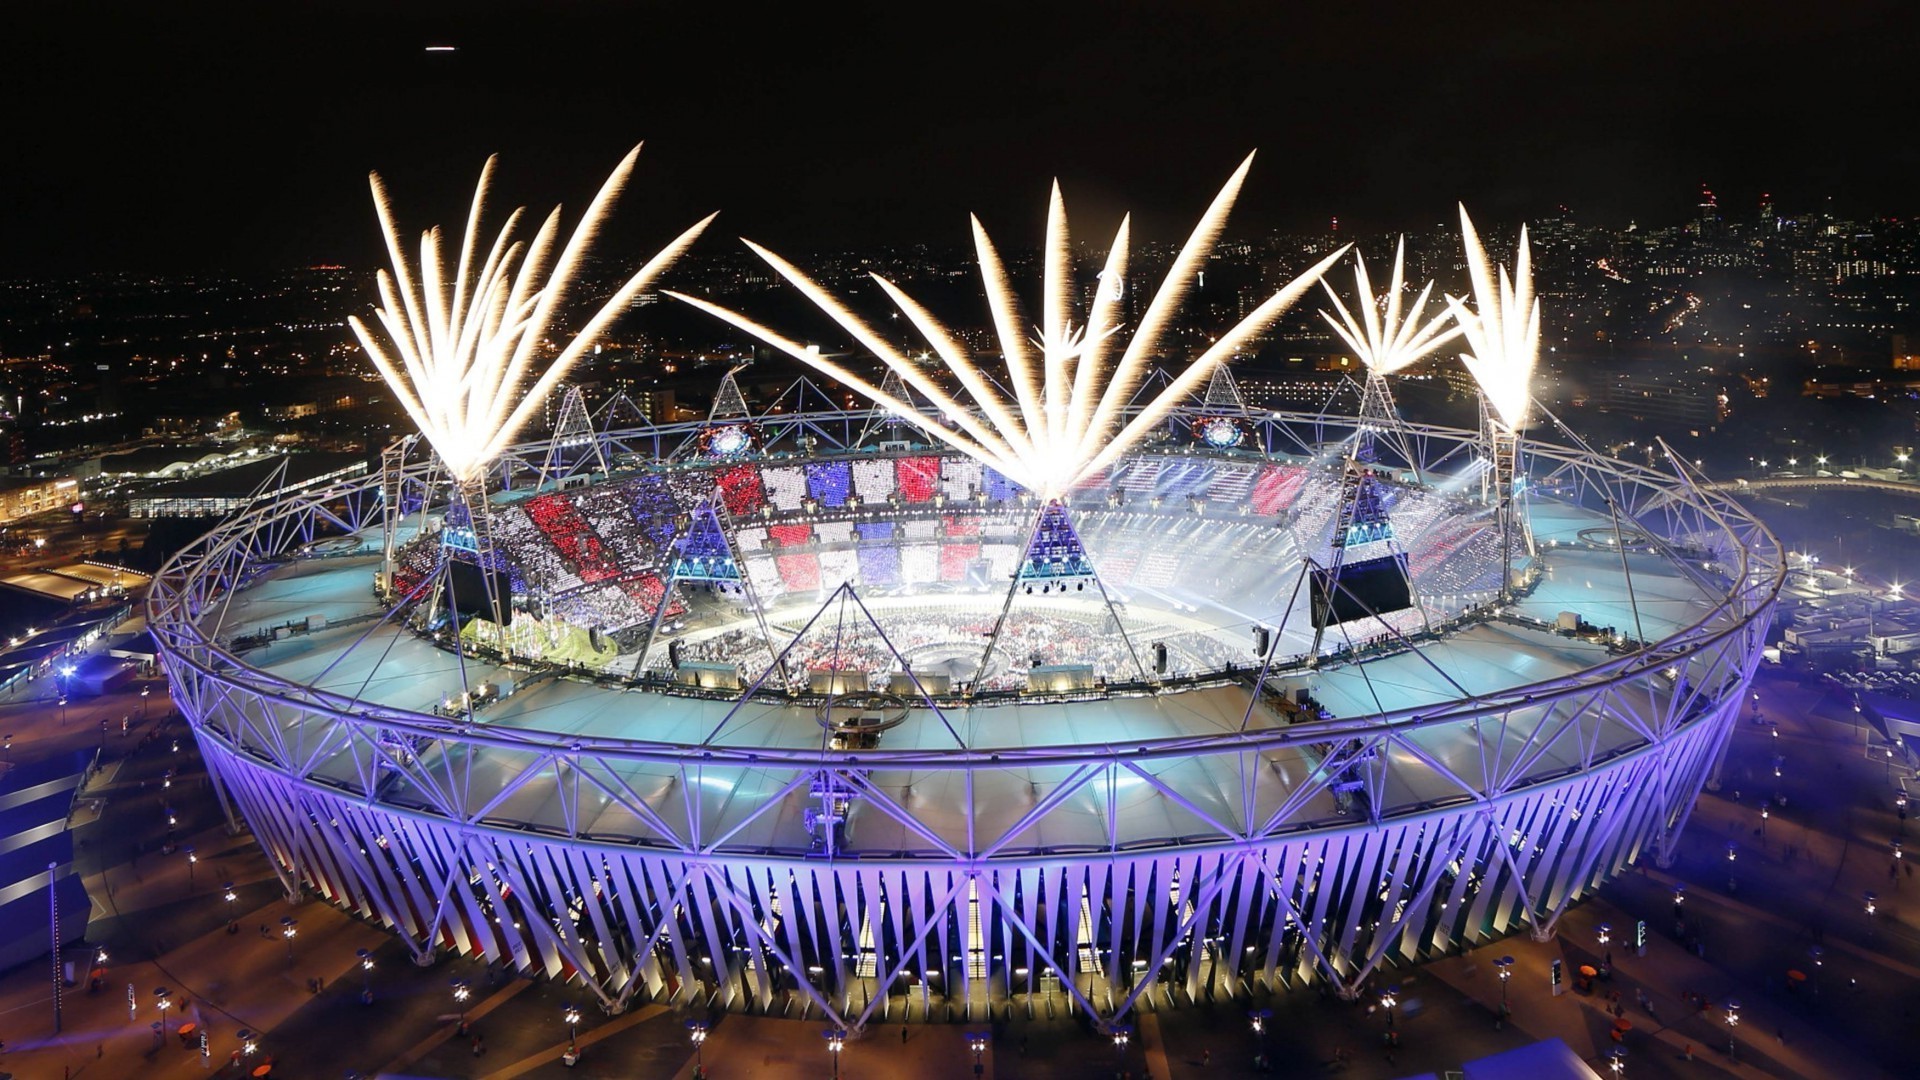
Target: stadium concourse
[(790, 717)]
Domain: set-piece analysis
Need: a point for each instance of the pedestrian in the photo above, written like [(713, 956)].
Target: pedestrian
[(263, 929), (903, 1034), (1687, 1053), (1206, 1058), (478, 1046)]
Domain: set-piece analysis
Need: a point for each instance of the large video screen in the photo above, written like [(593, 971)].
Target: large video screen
[(1367, 587), (467, 593)]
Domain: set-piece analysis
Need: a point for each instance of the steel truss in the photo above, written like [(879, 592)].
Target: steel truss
[(1263, 878)]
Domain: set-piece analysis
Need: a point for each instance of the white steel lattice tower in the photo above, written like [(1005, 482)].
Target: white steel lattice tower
[(574, 444)]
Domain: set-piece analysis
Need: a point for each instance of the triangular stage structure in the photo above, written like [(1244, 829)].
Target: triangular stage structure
[(1055, 565), (701, 554), (883, 422), (1376, 583), (1380, 422), (574, 443), (728, 402), (1223, 394), (861, 686)]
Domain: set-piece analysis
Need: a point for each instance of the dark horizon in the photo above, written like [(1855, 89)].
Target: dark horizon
[(221, 137)]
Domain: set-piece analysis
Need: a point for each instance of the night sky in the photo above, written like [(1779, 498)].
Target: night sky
[(202, 136)]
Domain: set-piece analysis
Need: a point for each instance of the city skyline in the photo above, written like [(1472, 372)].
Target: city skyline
[(801, 127)]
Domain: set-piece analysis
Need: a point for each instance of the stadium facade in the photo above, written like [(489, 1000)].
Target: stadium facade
[(799, 713)]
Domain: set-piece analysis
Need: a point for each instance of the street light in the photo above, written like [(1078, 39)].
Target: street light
[(977, 1042), (572, 1017), (1733, 1021), (229, 896), (1504, 966), (192, 861), (697, 1031), (366, 974), (164, 998), (836, 1042), (248, 1041), (1388, 999), (1259, 1019), (1122, 1034), (288, 927), (460, 993), (1870, 908), (1606, 934), (1617, 1060)]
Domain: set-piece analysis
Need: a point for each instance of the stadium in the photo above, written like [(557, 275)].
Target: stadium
[(1073, 686), (857, 843)]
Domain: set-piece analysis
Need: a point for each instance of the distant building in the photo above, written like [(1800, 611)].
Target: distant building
[(166, 460), (1662, 397), (23, 497), (1906, 353), (227, 491)]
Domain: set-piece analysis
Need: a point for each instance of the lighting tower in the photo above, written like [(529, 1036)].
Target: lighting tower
[(574, 441), (460, 349), (1503, 335), (1388, 336)]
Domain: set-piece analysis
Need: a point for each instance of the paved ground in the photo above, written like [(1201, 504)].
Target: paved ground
[(1742, 927)]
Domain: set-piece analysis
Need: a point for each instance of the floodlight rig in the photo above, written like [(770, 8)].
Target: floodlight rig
[(1503, 335)]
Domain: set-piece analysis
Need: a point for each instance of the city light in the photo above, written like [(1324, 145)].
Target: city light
[(457, 351), (1065, 420), (1502, 328)]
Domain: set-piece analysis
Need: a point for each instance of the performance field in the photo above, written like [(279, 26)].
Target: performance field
[(801, 711)]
